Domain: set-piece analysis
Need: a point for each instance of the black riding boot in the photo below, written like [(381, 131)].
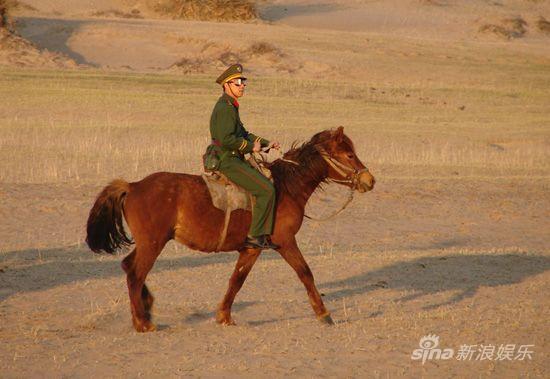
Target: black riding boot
[(262, 242)]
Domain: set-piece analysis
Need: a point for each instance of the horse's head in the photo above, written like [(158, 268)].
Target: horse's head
[(343, 164)]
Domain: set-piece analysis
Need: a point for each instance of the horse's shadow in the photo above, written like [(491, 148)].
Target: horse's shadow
[(462, 275), (37, 270)]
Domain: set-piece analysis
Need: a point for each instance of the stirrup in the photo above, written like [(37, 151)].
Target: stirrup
[(260, 242)]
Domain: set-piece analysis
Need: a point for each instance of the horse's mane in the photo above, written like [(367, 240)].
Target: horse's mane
[(294, 179)]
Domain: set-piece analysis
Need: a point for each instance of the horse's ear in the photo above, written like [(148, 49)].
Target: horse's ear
[(339, 134)]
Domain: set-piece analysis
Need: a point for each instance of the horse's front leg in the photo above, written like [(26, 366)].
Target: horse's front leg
[(293, 256), (246, 260)]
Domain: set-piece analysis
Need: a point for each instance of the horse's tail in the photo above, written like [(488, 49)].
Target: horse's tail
[(105, 228)]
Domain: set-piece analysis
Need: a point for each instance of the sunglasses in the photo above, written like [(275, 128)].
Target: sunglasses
[(239, 82)]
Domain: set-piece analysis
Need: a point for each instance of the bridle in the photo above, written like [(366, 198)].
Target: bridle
[(350, 174)]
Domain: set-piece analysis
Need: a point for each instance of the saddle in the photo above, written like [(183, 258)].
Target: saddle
[(227, 196)]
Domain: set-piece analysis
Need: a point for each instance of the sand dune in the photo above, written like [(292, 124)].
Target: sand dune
[(105, 34)]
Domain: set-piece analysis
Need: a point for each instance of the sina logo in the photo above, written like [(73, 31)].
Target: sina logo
[(428, 350)]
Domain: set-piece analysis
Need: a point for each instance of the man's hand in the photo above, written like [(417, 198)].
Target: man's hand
[(257, 147), (274, 145)]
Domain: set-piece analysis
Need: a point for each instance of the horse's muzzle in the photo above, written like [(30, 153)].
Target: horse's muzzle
[(366, 182)]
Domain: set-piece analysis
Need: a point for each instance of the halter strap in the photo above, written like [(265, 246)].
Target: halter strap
[(351, 175)]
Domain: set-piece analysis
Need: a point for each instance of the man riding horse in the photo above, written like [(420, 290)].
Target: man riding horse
[(166, 206), (232, 141)]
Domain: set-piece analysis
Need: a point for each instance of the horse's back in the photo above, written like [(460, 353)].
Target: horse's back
[(167, 205), (165, 180)]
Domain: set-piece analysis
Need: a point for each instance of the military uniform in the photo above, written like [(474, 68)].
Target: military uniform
[(232, 141)]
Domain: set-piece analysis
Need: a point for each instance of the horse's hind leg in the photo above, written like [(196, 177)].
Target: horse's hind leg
[(146, 295), (137, 265), (246, 260)]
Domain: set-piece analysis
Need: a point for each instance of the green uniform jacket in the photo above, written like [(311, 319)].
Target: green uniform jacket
[(226, 128)]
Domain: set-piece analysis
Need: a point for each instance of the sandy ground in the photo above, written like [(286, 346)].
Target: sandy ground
[(452, 242), (430, 260)]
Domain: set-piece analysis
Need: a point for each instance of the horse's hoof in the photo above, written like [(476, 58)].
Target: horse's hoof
[(326, 319), (224, 319), (144, 327)]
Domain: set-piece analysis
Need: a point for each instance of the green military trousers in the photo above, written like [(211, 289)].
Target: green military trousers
[(245, 176)]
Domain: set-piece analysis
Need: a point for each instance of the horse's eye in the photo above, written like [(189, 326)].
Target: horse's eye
[(350, 156)]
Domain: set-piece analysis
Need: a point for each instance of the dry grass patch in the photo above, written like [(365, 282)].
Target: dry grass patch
[(431, 2), (217, 10), (134, 13), (3, 14), (508, 28), (258, 54), (259, 50), (543, 25), (89, 127), (17, 51), (263, 48), (5, 7), (189, 65)]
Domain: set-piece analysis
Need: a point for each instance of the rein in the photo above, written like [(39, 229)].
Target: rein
[(260, 159), (334, 214), (351, 175)]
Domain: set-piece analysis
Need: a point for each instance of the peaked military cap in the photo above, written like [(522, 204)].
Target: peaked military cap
[(234, 71)]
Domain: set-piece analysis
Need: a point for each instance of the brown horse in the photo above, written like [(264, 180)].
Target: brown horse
[(165, 206)]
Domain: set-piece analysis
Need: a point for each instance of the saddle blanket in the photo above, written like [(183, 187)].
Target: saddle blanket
[(226, 195)]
